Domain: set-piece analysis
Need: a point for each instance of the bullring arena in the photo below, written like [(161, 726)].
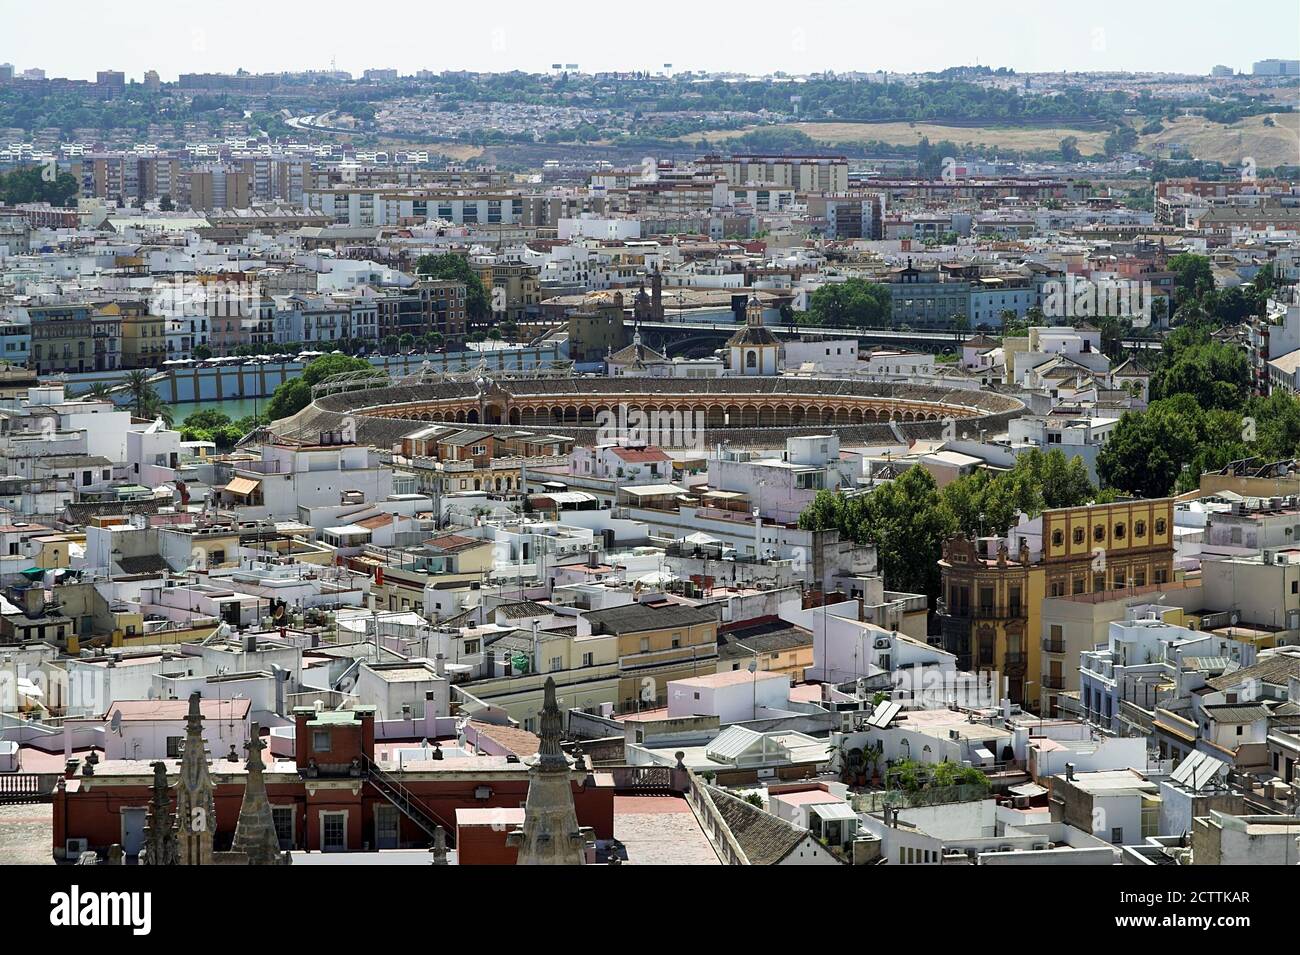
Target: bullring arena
[(747, 412)]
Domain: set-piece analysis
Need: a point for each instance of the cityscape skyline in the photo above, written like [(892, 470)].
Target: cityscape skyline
[(832, 434), (1109, 37)]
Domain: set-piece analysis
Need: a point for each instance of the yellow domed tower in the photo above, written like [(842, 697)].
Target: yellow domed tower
[(753, 350)]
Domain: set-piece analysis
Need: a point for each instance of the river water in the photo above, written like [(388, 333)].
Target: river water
[(235, 407)]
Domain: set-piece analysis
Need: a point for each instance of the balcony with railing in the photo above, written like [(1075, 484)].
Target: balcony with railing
[(1053, 646)]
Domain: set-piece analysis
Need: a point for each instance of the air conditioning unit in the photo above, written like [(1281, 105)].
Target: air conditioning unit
[(1042, 846), (882, 644), (73, 848)]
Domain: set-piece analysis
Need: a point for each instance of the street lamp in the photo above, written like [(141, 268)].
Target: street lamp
[(1029, 683)]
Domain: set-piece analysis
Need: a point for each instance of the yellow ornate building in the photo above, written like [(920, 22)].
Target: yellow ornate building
[(992, 588)]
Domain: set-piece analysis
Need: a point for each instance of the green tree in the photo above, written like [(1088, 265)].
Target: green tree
[(1122, 140), (288, 399), (295, 394), (1148, 450), (855, 302), (1062, 481), (1192, 276), (1216, 374), (141, 391), (31, 184), (100, 391), (207, 420), (904, 519), (946, 774)]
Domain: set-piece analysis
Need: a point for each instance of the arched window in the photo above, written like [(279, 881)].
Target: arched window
[(751, 359)]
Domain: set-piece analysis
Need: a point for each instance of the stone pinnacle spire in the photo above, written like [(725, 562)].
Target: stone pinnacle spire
[(550, 834), (196, 811), (550, 756), (160, 845), (255, 831)]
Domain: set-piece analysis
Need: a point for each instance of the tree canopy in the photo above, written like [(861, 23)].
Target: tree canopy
[(908, 519), (295, 394), (856, 303)]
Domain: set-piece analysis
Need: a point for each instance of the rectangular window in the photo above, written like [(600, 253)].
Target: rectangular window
[(282, 816), (174, 747), (320, 741), (334, 832)]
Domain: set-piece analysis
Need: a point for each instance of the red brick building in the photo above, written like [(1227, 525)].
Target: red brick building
[(331, 797)]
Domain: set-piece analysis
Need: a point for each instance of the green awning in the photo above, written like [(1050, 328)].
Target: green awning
[(34, 573)]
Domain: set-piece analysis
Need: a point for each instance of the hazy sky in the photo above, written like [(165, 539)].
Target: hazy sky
[(77, 37)]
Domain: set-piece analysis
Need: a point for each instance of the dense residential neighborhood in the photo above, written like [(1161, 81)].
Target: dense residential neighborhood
[(397, 468)]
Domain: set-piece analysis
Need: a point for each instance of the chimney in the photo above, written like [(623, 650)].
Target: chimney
[(1069, 771), (440, 665), (281, 675), (34, 601)]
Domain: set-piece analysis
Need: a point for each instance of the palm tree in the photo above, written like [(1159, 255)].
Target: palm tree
[(155, 407), (99, 391), (138, 387)]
